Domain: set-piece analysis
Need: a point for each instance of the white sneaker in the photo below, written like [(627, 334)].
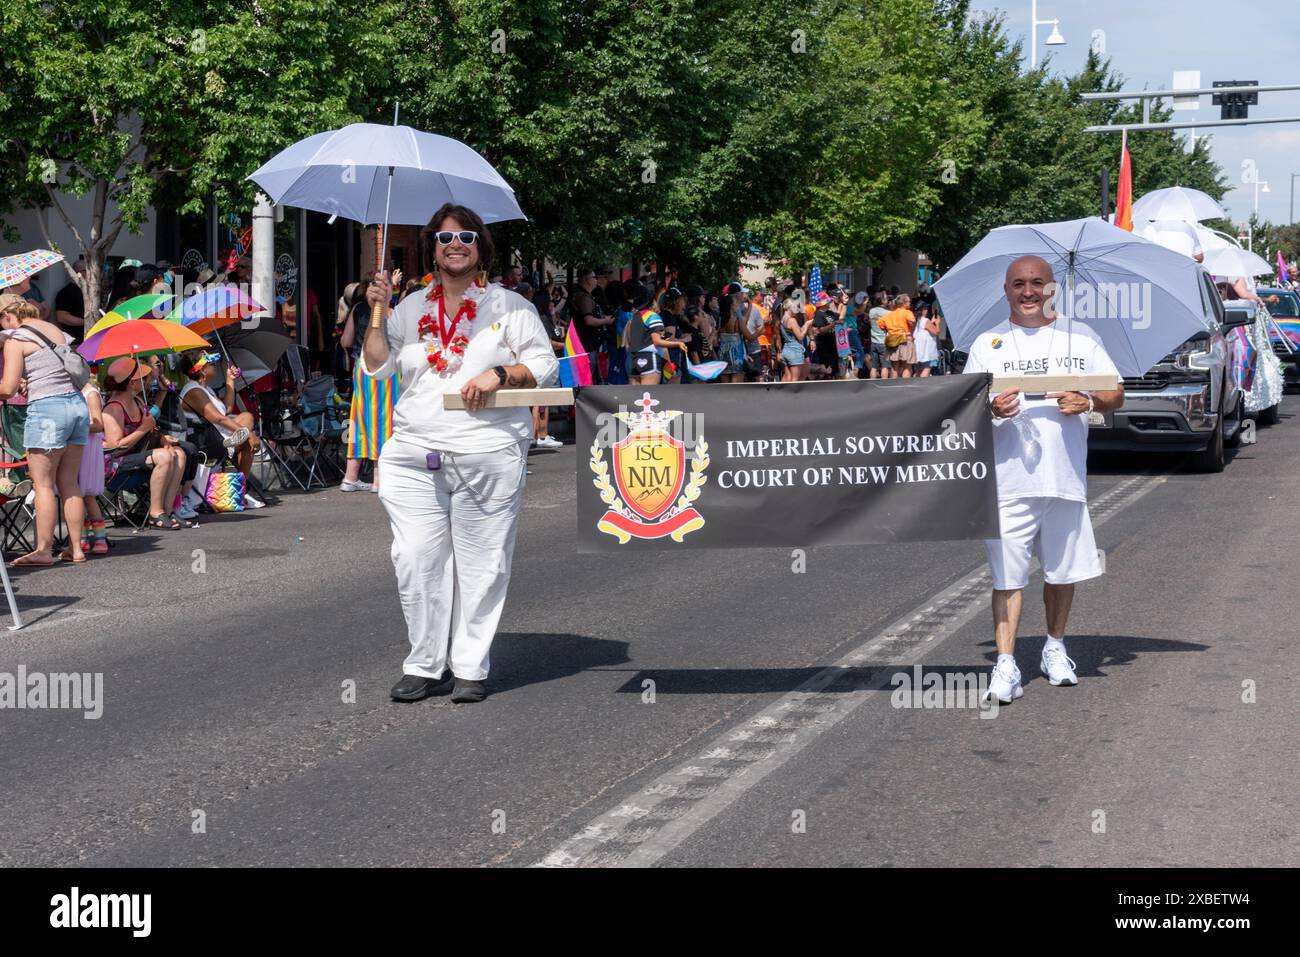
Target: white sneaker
[(236, 438), (357, 486), (1004, 683), (549, 442), (1058, 667), (250, 502)]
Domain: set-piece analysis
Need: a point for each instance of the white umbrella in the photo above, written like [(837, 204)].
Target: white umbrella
[(1177, 202), (1234, 261), (1142, 299), (372, 173), (1175, 234), (1225, 257)]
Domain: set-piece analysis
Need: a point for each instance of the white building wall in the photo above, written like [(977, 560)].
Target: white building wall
[(27, 221)]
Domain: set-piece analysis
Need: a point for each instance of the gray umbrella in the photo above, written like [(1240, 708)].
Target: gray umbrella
[(266, 347)]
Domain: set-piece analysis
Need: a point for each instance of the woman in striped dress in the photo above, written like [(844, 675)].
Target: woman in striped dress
[(372, 399)]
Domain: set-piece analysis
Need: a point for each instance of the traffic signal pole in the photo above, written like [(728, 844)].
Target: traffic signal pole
[(1147, 96)]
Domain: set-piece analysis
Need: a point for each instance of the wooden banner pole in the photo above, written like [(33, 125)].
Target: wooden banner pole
[(377, 310)]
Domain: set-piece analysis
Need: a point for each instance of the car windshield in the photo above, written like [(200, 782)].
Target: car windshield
[(1281, 305)]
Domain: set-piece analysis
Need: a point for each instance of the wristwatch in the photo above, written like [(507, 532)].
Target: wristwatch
[(501, 373)]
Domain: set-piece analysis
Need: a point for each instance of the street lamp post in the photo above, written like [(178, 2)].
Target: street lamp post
[(1258, 184), (1291, 219), (1054, 40)]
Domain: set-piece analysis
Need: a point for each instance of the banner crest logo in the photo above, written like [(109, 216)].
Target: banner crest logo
[(649, 470)]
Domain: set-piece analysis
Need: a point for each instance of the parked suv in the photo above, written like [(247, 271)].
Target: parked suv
[(1189, 401)]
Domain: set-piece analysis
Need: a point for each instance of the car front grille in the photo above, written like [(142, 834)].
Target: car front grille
[(1146, 383)]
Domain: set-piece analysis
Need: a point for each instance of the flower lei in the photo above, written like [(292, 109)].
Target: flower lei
[(444, 347)]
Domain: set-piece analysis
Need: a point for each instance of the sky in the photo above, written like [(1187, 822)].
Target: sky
[(1147, 40)]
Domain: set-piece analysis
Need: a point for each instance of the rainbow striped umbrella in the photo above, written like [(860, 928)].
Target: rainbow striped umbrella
[(140, 337), (212, 309), (141, 307), (14, 269)]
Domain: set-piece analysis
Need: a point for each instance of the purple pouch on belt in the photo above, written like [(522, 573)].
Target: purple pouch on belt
[(433, 461)]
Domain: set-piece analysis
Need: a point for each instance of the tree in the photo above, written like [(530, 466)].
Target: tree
[(868, 135), (170, 102), (1035, 162)]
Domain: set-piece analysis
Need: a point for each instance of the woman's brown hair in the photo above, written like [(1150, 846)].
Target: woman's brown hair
[(468, 219)]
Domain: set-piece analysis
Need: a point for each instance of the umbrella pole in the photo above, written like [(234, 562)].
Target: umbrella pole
[(377, 311)]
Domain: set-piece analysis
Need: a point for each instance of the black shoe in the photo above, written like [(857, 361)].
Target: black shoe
[(418, 687), (468, 692)]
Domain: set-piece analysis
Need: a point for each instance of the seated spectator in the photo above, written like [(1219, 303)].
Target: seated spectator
[(218, 429), (132, 438)]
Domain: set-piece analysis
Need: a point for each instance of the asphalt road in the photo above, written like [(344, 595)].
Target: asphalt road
[(745, 719)]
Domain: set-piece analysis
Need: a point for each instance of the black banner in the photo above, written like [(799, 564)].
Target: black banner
[(785, 464)]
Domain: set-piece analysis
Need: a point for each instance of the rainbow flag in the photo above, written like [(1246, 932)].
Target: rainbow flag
[(1282, 275), (575, 364), (1124, 191), (1289, 328)]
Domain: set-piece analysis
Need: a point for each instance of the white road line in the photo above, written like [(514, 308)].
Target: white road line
[(643, 827)]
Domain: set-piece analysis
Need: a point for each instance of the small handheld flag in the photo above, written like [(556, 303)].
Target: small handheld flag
[(815, 285), (575, 364), (706, 371), (1282, 275)]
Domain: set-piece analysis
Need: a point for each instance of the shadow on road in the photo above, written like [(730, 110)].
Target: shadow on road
[(520, 659), (1093, 653)]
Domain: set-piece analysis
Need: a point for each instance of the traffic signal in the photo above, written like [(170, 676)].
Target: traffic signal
[(1234, 106)]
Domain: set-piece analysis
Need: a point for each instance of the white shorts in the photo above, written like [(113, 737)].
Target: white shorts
[(1057, 530)]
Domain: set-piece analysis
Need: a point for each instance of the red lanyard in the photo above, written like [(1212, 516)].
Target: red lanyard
[(449, 334)]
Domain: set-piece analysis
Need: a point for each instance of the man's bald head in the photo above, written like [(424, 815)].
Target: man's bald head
[(1030, 289)]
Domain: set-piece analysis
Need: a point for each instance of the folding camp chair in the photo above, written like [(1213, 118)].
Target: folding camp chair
[(125, 499), (305, 426), (324, 420), (16, 516)]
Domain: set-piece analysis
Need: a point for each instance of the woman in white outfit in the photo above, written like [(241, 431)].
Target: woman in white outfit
[(927, 343), (453, 479)]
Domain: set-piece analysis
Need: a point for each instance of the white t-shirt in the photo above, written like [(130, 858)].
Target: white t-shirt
[(195, 419), (506, 331), (1040, 451)]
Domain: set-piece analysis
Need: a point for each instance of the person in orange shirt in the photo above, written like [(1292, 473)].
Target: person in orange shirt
[(765, 325), (898, 325)]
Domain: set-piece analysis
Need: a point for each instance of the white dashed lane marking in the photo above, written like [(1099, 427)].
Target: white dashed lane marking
[(642, 827)]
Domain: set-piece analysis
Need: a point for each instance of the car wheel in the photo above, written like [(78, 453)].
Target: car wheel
[(1211, 458), (1240, 421), (1270, 416)]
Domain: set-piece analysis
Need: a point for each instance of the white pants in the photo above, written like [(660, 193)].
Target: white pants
[(453, 537), (1058, 530)]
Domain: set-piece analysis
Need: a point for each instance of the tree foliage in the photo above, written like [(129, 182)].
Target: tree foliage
[(689, 132), (170, 102)]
